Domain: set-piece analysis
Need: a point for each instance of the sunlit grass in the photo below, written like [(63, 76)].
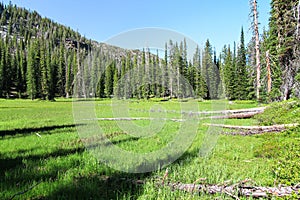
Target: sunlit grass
[(62, 169)]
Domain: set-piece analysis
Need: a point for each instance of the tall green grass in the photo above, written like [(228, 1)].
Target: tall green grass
[(60, 167)]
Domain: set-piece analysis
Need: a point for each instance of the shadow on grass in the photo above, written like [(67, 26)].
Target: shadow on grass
[(27, 131), (19, 174), (117, 185), (51, 169), (7, 163)]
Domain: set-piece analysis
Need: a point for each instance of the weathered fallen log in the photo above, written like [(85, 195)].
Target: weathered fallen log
[(236, 190), (246, 115), (232, 116), (252, 130), (134, 119), (241, 189), (273, 127), (237, 111), (224, 112)]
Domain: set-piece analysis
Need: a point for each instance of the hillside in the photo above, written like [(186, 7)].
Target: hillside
[(40, 58)]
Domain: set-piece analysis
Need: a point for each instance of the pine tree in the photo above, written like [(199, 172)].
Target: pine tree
[(116, 83), (128, 76), (165, 73), (44, 72), (229, 75), (21, 80), (109, 82), (51, 75), (2, 63), (283, 45), (61, 75), (7, 68), (31, 72), (241, 76), (210, 72), (201, 90)]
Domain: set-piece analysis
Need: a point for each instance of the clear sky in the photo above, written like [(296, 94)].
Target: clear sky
[(218, 20)]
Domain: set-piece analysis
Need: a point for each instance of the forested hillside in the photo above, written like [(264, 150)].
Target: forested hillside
[(42, 59)]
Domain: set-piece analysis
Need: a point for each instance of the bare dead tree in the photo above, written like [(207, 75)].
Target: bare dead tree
[(257, 49), (298, 19), (269, 71)]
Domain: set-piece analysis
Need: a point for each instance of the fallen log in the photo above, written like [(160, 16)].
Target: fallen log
[(236, 189), (133, 119), (246, 115), (224, 112), (252, 130), (241, 189), (238, 111), (233, 116), (263, 128)]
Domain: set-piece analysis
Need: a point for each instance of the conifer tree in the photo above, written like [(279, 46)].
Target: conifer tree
[(229, 75), (241, 73), (31, 72), (210, 72), (61, 73), (109, 82), (2, 63)]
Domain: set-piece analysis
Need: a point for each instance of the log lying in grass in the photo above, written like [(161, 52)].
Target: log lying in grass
[(134, 119), (236, 116), (239, 189), (251, 130), (273, 127), (238, 111), (224, 112)]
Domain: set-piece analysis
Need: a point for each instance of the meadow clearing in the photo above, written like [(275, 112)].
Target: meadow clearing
[(43, 157)]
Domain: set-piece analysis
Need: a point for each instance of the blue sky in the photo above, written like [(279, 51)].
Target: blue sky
[(218, 20)]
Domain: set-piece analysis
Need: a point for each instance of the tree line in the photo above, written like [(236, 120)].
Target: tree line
[(42, 59)]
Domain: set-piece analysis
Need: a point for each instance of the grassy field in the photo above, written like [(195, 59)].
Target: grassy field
[(57, 165)]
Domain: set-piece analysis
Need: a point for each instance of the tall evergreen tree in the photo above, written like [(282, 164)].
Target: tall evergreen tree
[(210, 71), (109, 82), (32, 67), (61, 72), (241, 73), (229, 75), (284, 45), (200, 84)]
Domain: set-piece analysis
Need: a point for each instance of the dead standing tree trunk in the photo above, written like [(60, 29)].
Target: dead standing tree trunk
[(298, 20), (269, 71), (257, 50)]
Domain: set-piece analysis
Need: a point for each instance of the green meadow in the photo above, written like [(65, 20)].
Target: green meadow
[(42, 155)]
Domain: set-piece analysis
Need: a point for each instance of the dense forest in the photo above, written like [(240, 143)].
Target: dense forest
[(42, 59)]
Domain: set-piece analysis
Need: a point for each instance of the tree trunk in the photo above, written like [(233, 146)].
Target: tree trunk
[(256, 31), (269, 71), (298, 20), (236, 189)]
